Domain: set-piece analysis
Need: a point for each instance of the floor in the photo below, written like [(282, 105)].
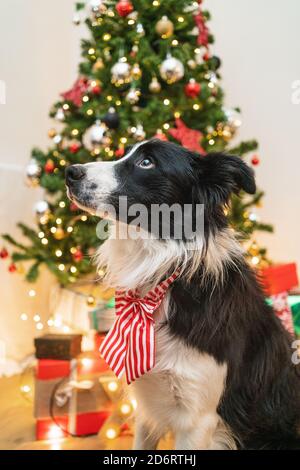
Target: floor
[(17, 424)]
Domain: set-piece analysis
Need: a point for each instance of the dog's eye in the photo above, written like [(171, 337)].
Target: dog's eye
[(146, 164)]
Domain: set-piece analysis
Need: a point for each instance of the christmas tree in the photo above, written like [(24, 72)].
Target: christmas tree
[(147, 71)]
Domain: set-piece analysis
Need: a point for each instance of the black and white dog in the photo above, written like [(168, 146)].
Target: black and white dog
[(223, 377)]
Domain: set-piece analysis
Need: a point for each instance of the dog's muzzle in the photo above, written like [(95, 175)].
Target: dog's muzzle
[(74, 174)]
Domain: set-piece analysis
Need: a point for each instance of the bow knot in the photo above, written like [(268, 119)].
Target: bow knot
[(129, 346)]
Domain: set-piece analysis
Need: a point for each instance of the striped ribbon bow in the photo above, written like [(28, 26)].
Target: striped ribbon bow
[(130, 346)]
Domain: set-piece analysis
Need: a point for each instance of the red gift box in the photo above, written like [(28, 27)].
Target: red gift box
[(91, 363), (98, 340), (85, 423), (278, 278), (48, 369)]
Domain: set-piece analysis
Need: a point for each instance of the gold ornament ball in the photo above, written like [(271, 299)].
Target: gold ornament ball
[(154, 85), (52, 133), (164, 27), (59, 234), (98, 65), (136, 72), (192, 64)]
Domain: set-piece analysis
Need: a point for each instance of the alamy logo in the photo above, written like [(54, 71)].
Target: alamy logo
[(296, 354), (159, 221)]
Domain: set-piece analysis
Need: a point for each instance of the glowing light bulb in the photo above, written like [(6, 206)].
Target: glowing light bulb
[(66, 329), (62, 204), (61, 267), (84, 218), (180, 19), (59, 221), (36, 318), (25, 388), (32, 293), (70, 229), (44, 241), (73, 269), (125, 409), (255, 260), (54, 432), (50, 322), (41, 234), (111, 433), (24, 317), (112, 386), (39, 326), (166, 102), (58, 253), (53, 229), (86, 362), (134, 403)]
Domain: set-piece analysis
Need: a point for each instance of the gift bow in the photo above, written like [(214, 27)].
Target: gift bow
[(129, 345), (63, 394)]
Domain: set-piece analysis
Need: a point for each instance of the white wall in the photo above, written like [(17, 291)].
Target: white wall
[(259, 43), (260, 49), (38, 59)]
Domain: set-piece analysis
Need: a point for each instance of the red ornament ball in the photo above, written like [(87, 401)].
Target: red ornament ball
[(3, 253), (12, 268), (74, 207), (192, 89), (78, 256), (161, 136), (119, 152), (255, 160), (49, 166), (124, 7), (96, 90), (206, 56), (74, 147)]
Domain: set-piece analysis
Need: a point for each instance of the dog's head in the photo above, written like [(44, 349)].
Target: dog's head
[(156, 173)]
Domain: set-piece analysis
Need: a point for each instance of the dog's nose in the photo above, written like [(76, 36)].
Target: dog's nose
[(75, 173)]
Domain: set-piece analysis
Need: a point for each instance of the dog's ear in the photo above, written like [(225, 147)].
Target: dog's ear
[(225, 174)]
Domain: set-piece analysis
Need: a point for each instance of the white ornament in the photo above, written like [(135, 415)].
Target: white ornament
[(60, 115), (95, 135), (41, 208), (233, 118), (171, 70), (133, 96), (139, 134), (33, 170), (120, 72)]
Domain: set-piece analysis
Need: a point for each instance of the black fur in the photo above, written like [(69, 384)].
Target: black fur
[(227, 319)]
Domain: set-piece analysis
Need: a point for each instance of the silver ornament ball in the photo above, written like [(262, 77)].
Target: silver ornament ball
[(120, 73), (139, 134), (41, 208), (95, 135), (171, 70), (133, 96)]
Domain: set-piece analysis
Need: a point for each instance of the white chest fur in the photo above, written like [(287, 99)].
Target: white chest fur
[(181, 394)]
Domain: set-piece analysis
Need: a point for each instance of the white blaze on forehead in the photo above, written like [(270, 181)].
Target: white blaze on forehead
[(103, 175)]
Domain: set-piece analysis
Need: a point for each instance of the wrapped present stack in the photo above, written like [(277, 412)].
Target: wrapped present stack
[(69, 398), (280, 283), (102, 318)]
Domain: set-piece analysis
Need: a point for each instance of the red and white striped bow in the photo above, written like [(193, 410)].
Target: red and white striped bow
[(130, 346)]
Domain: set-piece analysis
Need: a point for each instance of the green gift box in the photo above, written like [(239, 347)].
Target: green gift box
[(294, 301)]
